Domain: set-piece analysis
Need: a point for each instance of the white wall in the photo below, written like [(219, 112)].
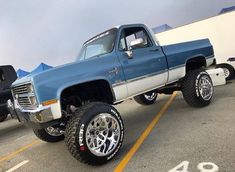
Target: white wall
[(219, 29)]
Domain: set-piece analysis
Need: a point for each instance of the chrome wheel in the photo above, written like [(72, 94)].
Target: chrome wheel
[(103, 134), (54, 131), (205, 87), (226, 72), (150, 96)]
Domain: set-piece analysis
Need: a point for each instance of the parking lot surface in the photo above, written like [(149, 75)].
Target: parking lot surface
[(184, 135)]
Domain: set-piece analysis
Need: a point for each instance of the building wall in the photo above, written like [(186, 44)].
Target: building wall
[(219, 29)]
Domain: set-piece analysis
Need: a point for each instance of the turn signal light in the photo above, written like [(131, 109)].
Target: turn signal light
[(49, 102)]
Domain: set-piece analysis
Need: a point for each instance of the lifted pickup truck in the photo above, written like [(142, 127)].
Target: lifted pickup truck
[(7, 77), (74, 101)]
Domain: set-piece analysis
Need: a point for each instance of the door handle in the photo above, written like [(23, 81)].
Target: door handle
[(156, 49)]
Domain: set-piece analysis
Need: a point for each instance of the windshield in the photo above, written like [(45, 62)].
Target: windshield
[(99, 45)]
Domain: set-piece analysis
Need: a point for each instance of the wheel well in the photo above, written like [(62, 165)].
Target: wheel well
[(225, 64), (98, 90), (195, 63)]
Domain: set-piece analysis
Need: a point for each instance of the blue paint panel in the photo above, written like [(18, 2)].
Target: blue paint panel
[(144, 62), (178, 54), (48, 85)]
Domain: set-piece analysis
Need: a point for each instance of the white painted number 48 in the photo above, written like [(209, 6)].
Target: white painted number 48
[(202, 167)]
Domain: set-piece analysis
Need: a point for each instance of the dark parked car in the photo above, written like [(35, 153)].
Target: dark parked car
[(7, 77)]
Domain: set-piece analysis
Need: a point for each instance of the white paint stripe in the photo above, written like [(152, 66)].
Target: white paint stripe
[(18, 166), (20, 138)]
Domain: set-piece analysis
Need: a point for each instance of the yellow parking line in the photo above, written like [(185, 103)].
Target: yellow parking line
[(18, 151), (144, 135)]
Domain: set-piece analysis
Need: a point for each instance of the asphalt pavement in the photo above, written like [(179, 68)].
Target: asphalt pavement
[(190, 138)]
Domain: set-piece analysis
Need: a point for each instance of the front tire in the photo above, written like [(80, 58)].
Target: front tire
[(197, 88), (49, 134), (3, 117), (94, 134), (147, 98), (228, 71)]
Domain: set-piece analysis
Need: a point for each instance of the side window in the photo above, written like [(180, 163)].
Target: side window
[(2, 78), (122, 44), (130, 39), (134, 38)]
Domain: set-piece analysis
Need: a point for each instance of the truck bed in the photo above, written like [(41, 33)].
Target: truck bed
[(178, 54)]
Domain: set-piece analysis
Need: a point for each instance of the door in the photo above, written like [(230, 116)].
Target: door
[(144, 64)]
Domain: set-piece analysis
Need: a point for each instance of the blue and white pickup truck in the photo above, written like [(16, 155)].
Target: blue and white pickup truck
[(74, 101)]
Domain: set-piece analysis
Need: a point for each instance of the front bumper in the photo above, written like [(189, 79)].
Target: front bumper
[(42, 114)]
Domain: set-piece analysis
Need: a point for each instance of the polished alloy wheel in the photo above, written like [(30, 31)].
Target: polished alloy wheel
[(205, 87), (150, 96), (226, 72), (103, 134)]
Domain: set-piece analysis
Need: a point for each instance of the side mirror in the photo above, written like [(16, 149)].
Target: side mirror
[(137, 43), (129, 54)]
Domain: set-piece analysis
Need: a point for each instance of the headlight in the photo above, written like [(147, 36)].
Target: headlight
[(33, 100), (30, 88)]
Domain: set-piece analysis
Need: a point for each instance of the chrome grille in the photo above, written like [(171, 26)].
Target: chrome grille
[(22, 89), (24, 101), (24, 95)]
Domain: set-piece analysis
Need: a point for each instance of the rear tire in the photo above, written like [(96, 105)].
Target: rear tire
[(197, 88), (147, 98), (3, 117), (94, 134), (228, 71), (47, 136)]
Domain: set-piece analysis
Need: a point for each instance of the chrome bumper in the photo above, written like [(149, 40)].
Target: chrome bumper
[(42, 114)]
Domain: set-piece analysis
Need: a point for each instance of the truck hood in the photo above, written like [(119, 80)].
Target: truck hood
[(50, 84), (30, 77), (21, 80)]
